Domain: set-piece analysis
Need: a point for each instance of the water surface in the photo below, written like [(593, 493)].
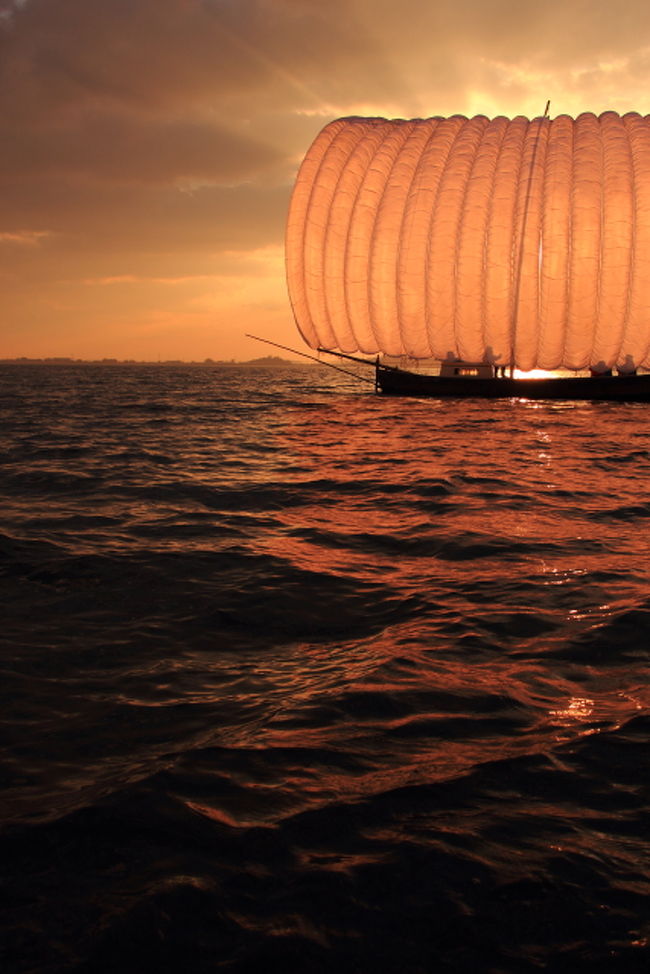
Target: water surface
[(294, 675)]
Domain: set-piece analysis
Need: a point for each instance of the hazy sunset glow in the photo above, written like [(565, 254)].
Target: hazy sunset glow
[(149, 148)]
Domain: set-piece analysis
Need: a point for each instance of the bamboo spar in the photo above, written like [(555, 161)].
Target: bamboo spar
[(319, 361)]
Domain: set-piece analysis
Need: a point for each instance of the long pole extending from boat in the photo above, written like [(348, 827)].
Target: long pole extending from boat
[(319, 361)]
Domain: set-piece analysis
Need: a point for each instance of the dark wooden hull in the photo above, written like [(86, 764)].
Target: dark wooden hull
[(611, 388)]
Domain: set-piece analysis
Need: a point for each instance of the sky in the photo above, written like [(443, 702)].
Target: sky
[(149, 147)]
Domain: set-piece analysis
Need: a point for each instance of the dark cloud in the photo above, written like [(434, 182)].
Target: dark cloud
[(122, 148), (69, 55), (166, 55), (84, 218)]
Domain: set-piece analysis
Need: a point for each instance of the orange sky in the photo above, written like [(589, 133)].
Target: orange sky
[(149, 146)]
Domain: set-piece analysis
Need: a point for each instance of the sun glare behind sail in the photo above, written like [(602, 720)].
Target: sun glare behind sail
[(537, 374)]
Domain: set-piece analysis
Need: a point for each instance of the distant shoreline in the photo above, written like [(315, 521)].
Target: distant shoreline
[(268, 361)]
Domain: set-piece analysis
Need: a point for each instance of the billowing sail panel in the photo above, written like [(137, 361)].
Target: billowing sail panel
[(508, 241)]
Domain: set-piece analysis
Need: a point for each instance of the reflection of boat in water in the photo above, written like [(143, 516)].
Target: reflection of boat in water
[(488, 245)]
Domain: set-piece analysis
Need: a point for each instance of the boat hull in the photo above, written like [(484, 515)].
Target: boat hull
[(612, 388)]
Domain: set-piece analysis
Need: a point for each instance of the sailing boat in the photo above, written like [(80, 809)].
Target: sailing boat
[(487, 245)]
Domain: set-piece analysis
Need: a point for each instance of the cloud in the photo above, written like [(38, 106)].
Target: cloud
[(24, 238), (161, 55), (238, 59), (120, 148)]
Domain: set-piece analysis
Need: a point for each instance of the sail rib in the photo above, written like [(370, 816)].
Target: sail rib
[(635, 347), (616, 235), (296, 231), (470, 243)]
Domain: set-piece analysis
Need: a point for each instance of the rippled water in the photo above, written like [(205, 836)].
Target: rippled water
[(297, 677)]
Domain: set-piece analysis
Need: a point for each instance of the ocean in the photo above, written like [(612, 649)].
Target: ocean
[(298, 678)]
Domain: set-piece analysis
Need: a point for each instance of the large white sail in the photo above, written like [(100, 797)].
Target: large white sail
[(511, 241)]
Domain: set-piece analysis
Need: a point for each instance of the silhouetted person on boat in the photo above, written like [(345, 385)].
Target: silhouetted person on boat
[(628, 367), (599, 370)]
